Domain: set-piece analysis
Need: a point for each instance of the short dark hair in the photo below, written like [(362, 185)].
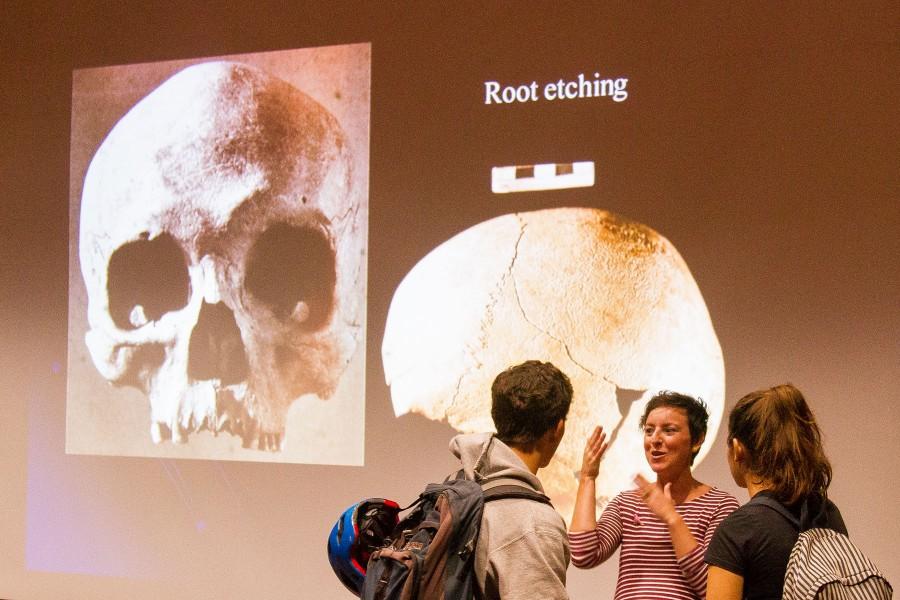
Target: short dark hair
[(528, 400), (695, 409)]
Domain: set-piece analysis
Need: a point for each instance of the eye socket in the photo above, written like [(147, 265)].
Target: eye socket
[(146, 279), (292, 270)]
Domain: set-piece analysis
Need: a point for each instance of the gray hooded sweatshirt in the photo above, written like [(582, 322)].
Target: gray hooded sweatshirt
[(523, 549)]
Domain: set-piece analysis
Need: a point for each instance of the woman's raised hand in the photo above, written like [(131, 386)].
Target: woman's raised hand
[(593, 451)]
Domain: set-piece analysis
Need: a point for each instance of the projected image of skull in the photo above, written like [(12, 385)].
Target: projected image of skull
[(221, 251), (607, 300)]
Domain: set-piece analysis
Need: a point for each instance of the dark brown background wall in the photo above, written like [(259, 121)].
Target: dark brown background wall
[(761, 141)]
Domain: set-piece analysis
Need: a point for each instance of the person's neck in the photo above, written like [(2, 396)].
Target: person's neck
[(682, 485), (531, 458), (755, 487)]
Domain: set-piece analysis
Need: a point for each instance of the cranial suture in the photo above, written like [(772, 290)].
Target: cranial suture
[(220, 251)]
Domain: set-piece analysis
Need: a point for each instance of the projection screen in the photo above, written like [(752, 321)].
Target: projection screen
[(262, 262)]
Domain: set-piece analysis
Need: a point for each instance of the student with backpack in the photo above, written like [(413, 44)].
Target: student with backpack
[(522, 551), (775, 451), (487, 531)]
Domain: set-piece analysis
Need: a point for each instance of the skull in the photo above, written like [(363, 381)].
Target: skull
[(221, 250), (608, 301)]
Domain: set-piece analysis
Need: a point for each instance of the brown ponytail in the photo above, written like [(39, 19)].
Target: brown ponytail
[(779, 431)]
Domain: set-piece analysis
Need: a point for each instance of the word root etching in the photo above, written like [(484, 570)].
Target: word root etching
[(580, 87)]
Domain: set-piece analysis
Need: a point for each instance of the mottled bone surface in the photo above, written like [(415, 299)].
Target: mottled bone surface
[(221, 252), (608, 300)]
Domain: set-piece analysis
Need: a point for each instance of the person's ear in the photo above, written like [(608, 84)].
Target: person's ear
[(738, 451), (554, 435), (560, 429), (695, 447)]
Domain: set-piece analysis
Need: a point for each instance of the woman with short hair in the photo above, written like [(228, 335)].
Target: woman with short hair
[(663, 527)]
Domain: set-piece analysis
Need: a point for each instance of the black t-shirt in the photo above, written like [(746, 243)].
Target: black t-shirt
[(755, 542)]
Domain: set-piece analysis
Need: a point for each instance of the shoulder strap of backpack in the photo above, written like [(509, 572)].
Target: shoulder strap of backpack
[(498, 489), (514, 491), (777, 507)]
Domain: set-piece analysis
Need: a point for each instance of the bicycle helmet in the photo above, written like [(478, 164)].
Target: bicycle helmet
[(361, 529)]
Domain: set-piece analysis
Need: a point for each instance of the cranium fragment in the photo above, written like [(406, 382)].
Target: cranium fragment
[(607, 300), (221, 251)]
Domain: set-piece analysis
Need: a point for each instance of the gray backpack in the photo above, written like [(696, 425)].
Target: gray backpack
[(825, 565), (430, 554)]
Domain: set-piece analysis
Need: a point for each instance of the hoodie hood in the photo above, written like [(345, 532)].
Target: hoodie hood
[(485, 458)]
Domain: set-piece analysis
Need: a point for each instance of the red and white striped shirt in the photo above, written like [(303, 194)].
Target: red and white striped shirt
[(647, 564)]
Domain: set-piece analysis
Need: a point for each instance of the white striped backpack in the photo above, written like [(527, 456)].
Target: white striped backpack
[(825, 565)]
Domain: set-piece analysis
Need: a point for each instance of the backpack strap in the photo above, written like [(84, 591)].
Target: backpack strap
[(504, 487), (461, 474), (500, 492), (777, 507), (507, 487)]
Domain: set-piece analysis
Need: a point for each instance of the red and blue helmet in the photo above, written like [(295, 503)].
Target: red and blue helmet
[(361, 529)]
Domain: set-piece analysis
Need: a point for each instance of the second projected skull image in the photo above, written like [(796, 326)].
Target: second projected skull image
[(221, 244), (608, 300)]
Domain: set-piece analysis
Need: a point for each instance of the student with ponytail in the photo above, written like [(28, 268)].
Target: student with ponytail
[(775, 451)]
